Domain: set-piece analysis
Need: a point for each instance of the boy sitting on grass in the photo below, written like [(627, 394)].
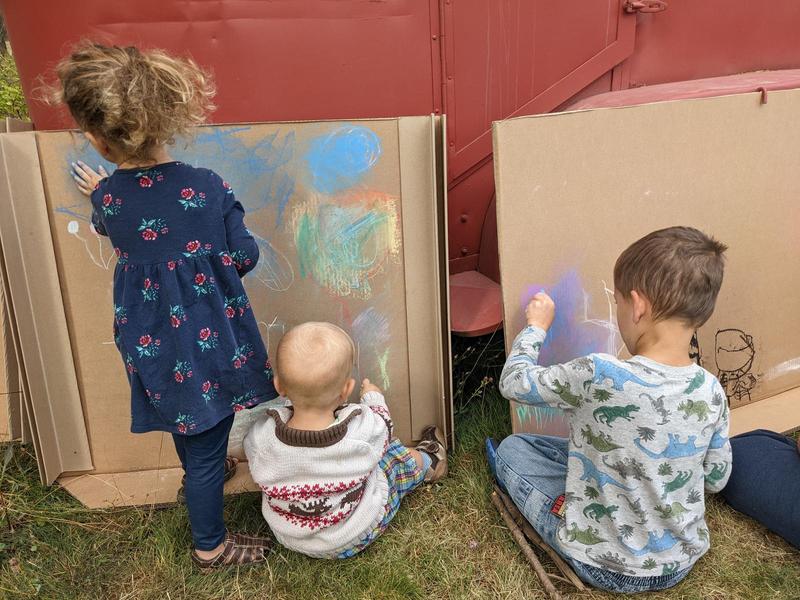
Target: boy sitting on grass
[(622, 500), (331, 473)]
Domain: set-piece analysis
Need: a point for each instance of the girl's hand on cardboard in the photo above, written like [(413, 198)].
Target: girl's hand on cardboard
[(86, 178), (541, 311), (367, 387)]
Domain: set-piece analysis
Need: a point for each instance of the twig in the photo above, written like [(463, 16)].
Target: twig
[(534, 537), (522, 542)]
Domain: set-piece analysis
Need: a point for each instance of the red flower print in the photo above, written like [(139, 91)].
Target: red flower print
[(237, 407), (189, 374), (176, 322), (147, 283), (164, 230), (145, 181), (145, 340), (187, 193), (107, 200), (268, 364), (130, 368), (149, 235), (118, 202), (247, 262), (226, 185), (227, 260), (237, 364), (206, 386), (229, 312), (200, 278), (171, 265), (118, 252), (208, 246), (193, 246), (205, 333), (158, 342), (181, 428), (179, 377)]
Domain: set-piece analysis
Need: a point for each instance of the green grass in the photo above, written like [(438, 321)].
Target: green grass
[(447, 542)]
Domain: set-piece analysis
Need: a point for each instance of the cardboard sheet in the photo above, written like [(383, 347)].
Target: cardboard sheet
[(389, 297), (10, 377), (574, 189)]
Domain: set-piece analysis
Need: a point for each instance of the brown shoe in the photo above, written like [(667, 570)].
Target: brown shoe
[(433, 445), (234, 554), (231, 463)]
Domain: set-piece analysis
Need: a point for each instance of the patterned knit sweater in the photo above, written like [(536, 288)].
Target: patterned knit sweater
[(645, 440), (322, 491)]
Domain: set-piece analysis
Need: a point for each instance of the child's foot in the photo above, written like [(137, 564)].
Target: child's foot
[(491, 458), (432, 444), (231, 463), (235, 553)]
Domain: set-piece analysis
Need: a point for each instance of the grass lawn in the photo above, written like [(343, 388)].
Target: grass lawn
[(446, 542)]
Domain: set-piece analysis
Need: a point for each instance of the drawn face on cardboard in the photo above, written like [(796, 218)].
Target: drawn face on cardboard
[(734, 351)]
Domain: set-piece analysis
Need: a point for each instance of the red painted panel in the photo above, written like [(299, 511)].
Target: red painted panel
[(273, 60), (514, 57), (708, 38)]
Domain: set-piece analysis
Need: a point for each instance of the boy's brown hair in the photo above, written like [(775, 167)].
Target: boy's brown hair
[(135, 100), (678, 269)]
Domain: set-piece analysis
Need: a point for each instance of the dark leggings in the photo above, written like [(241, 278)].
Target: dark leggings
[(203, 458), (765, 481)]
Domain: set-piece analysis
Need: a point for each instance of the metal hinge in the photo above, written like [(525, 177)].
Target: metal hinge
[(644, 6)]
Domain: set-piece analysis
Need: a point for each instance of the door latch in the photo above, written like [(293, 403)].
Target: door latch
[(644, 6)]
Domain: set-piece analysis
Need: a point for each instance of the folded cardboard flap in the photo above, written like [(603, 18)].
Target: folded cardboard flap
[(575, 189), (12, 424), (396, 311), (52, 405)]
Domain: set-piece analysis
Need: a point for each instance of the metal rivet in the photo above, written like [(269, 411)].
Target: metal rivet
[(464, 251), (464, 218)]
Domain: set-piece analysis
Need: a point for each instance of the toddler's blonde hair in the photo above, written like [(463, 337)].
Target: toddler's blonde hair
[(135, 100), (313, 362)]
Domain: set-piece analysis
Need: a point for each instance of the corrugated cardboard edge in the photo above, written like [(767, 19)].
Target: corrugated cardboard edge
[(51, 391), (141, 488), (425, 308), (776, 413), (440, 144)]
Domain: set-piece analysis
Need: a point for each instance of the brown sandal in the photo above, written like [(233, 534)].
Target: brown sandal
[(231, 463), (433, 444), (234, 554)]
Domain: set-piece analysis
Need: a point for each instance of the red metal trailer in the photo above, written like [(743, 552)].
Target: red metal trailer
[(475, 60)]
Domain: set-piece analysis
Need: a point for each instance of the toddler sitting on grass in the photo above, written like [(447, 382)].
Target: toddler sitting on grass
[(331, 473)]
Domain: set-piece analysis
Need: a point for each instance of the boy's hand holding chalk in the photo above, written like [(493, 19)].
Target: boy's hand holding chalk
[(541, 311)]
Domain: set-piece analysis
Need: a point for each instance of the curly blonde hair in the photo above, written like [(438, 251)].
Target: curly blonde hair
[(135, 100)]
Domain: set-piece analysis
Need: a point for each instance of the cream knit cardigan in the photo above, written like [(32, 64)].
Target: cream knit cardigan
[(322, 491)]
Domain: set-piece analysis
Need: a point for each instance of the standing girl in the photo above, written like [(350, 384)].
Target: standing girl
[(182, 319)]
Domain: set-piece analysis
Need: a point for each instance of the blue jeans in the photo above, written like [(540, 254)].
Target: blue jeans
[(203, 459), (765, 481), (533, 469)]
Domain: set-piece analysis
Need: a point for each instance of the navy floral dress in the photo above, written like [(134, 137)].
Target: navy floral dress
[(182, 320)]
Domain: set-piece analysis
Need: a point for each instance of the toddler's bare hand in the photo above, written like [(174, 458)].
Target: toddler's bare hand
[(367, 387), (541, 311), (87, 178)]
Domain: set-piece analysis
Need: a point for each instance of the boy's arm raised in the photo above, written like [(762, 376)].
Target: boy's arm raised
[(524, 380)]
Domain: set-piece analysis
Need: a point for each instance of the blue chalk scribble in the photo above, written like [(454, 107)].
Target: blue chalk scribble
[(341, 159)]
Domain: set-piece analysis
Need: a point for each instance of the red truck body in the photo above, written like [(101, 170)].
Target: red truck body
[(476, 61)]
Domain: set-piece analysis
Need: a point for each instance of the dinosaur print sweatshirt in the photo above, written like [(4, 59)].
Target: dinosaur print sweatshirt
[(322, 491), (646, 440)]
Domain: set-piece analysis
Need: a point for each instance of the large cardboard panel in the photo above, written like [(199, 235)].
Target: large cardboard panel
[(51, 408), (389, 298), (574, 189)]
